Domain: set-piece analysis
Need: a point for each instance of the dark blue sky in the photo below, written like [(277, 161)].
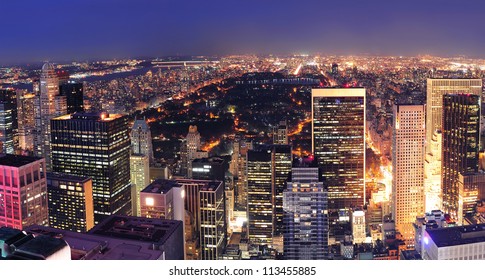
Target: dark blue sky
[(38, 30)]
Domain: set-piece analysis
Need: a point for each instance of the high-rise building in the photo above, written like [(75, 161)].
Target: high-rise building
[(140, 178), (8, 121), (260, 196), (305, 216), (358, 226), (432, 174), (213, 230), (70, 202), (280, 133), (338, 143), (163, 199), (205, 202), (408, 167), (281, 161), (73, 91), (239, 170), (461, 130), (141, 140), (48, 104), (23, 191), (26, 120), (190, 150), (96, 145), (213, 168), (435, 90)]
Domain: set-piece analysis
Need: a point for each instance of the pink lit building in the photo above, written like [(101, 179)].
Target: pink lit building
[(23, 191)]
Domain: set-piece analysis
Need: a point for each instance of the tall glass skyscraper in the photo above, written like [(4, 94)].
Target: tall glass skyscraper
[(338, 143), (96, 145), (461, 128), (305, 216), (8, 121)]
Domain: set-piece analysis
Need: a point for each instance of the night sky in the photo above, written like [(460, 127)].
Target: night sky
[(39, 30)]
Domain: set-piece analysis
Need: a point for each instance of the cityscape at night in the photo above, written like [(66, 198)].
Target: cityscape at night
[(158, 138)]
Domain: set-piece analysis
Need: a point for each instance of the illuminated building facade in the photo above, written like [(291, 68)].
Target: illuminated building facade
[(140, 178), (408, 167), (358, 226), (8, 121), (141, 140), (70, 202), (281, 161), (432, 174), (213, 228), (338, 143), (26, 121), (305, 216), (461, 130), (96, 145), (49, 104), (23, 191), (435, 90)]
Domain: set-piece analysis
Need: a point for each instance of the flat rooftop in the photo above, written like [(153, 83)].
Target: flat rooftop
[(67, 177), (10, 235), (452, 236), (42, 245), (160, 186), (97, 116), (16, 160)]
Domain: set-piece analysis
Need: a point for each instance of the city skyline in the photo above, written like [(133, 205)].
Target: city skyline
[(122, 29)]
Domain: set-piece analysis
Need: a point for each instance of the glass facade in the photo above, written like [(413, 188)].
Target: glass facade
[(338, 141), (96, 145)]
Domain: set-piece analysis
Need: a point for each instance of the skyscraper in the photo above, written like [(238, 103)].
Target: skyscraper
[(140, 178), (338, 143), (435, 90), (48, 104), (141, 139), (96, 145), (8, 121), (190, 150), (213, 229), (74, 93), (23, 191), (461, 128), (26, 120), (408, 167), (70, 202), (259, 197), (281, 160), (305, 216)]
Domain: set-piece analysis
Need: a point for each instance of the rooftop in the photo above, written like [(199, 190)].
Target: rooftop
[(10, 235), (67, 177), (452, 236), (42, 245), (96, 116), (16, 160), (160, 186)]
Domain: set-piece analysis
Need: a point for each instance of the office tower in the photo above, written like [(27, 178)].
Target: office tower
[(435, 90), (8, 121), (305, 216), (140, 178), (238, 169), (141, 140), (213, 168), (338, 143), (280, 133), (461, 128), (26, 120), (63, 76), (73, 92), (203, 202), (407, 167), (70, 202), (259, 197), (358, 226), (23, 191), (163, 199), (334, 68), (432, 173), (48, 104), (190, 150), (123, 238), (96, 145), (281, 160), (454, 243), (213, 229)]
